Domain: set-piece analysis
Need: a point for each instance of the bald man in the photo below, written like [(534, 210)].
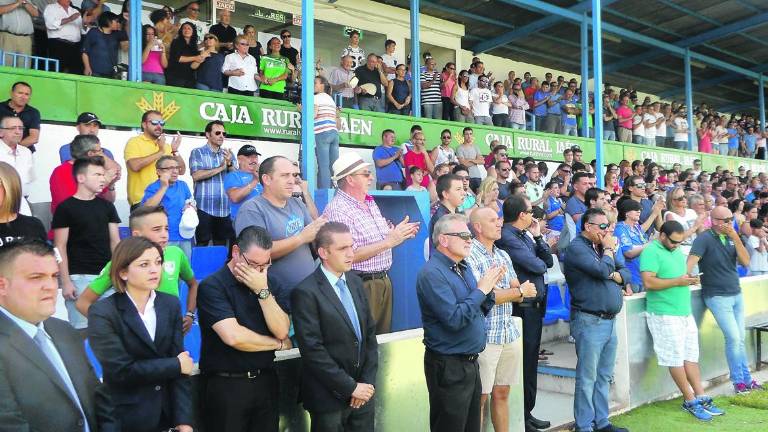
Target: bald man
[(717, 251), (499, 367)]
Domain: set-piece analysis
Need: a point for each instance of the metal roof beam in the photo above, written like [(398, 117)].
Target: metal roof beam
[(705, 84), (737, 107), (465, 14), (533, 27)]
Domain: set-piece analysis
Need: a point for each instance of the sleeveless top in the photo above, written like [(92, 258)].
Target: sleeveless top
[(400, 90)]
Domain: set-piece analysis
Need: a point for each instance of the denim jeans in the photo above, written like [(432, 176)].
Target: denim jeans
[(723, 149), (514, 125), (81, 282), (432, 110), (596, 354), (153, 77), (609, 135), (729, 314), (369, 103), (570, 130), (681, 145), (484, 120), (327, 150)]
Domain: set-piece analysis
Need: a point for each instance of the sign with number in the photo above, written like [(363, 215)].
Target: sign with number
[(297, 20), (225, 5)]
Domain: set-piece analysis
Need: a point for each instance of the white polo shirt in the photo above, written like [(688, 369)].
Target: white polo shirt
[(72, 31), (235, 61), (21, 160)]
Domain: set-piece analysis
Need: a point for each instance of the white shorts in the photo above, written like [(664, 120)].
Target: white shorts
[(675, 339), (498, 366)]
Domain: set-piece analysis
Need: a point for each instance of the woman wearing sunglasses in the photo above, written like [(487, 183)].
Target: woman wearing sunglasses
[(677, 206), (631, 239), (208, 71)]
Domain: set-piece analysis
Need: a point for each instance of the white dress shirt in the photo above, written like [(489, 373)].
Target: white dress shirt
[(248, 64), (21, 159), (54, 14), (149, 317)]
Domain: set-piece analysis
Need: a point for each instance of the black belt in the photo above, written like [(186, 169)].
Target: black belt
[(373, 275), (462, 357), (250, 374), (536, 304), (16, 34), (602, 315), (64, 41)]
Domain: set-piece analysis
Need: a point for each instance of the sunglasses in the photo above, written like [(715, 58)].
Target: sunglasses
[(504, 169), (728, 219), (674, 242), (639, 185), (529, 211), (157, 122), (210, 37), (285, 36), (222, 133), (462, 235), (602, 226), (446, 137), (680, 198), (193, 10)]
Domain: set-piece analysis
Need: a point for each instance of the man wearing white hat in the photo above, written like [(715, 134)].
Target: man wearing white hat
[(372, 235)]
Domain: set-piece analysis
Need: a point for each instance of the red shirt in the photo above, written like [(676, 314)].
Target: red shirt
[(416, 159), (529, 92)]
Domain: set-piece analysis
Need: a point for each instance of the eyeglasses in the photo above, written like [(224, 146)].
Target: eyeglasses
[(157, 122), (222, 133), (259, 267), (466, 236), (566, 171), (171, 168), (680, 198), (285, 36), (210, 37), (504, 169), (446, 137), (14, 128), (364, 174), (529, 211), (193, 10), (728, 219), (639, 185), (674, 242), (242, 43), (602, 226)]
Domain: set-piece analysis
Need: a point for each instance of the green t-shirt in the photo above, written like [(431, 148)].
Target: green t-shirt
[(273, 67), (175, 266), (667, 265)]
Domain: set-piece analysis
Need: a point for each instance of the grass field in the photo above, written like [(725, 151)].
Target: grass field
[(747, 413)]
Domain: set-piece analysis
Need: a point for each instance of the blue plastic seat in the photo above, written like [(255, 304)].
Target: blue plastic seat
[(743, 271), (124, 232), (555, 307), (207, 259)]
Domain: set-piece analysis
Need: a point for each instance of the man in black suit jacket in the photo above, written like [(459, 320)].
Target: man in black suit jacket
[(337, 338), (46, 381)]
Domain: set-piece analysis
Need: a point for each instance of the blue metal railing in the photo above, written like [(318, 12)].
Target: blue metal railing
[(28, 61)]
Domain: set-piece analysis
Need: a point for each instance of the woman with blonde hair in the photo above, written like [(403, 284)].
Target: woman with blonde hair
[(677, 206), (209, 66), (14, 225), (488, 195)]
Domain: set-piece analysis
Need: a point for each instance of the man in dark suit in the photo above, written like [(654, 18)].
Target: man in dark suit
[(46, 381), (337, 338)]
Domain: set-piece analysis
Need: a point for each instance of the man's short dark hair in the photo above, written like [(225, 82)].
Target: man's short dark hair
[(513, 207), (446, 130), (671, 227), (591, 195), (146, 114), (444, 183), (387, 43), (413, 169), (106, 19), (267, 166), (458, 168), (324, 237), (530, 165), (590, 215), (11, 250), (142, 212), (20, 83), (463, 131), (254, 236), (576, 149), (81, 165), (498, 164), (386, 131), (158, 15), (415, 128), (756, 224), (568, 150), (578, 176), (209, 126), (578, 166)]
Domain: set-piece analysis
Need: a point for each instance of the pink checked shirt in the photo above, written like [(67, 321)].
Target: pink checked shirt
[(367, 225)]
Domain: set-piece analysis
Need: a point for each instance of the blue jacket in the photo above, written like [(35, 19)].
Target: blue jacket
[(530, 258), (588, 278)]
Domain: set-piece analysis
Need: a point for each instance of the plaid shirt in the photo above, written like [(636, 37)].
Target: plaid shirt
[(209, 193), (367, 225), (499, 322)]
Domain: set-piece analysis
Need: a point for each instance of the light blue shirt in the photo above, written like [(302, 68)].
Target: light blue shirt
[(26, 326), (333, 279)]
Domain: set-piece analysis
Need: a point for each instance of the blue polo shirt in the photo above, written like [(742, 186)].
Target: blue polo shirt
[(554, 109), (733, 142), (65, 153), (540, 110), (556, 223), (391, 173), (238, 179), (174, 199)]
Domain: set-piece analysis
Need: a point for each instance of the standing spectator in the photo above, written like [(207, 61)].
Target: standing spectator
[(339, 80), (733, 136), (399, 92), (164, 28), (670, 320), (624, 117), (88, 123), (609, 119), (500, 107), (273, 71), (480, 99), (326, 132), (64, 25), (243, 184), (154, 59), (447, 87), (540, 100), (339, 351), (462, 111), (142, 151), (354, 50), (173, 195), (418, 157), (680, 125), (373, 237), (100, 47), (225, 32), (289, 52), (431, 103), (554, 208), (631, 241), (498, 366), (85, 233), (470, 199), (241, 327), (638, 126), (469, 155), (750, 142), (370, 79), (16, 29), (651, 211), (553, 121), (661, 124), (388, 59), (595, 281), (241, 68), (569, 109), (208, 165), (649, 124), (453, 307), (254, 46), (389, 162), (18, 106), (64, 394), (518, 107), (443, 153), (13, 225), (720, 136), (717, 251), (136, 335), (758, 248), (208, 71), (450, 194), (17, 156), (193, 17), (183, 53), (286, 219)]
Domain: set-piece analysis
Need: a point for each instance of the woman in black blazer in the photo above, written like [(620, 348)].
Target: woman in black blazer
[(146, 369)]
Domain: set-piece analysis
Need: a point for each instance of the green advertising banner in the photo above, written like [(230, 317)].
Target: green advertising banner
[(60, 97)]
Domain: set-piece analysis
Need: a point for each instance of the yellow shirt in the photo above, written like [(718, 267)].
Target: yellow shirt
[(137, 147)]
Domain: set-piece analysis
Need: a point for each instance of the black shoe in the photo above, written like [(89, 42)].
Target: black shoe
[(538, 424), (612, 428), (530, 427)]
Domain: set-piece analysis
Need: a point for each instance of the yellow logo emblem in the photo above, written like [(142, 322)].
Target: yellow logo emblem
[(158, 104)]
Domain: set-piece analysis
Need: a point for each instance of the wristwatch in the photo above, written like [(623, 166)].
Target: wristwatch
[(190, 314), (264, 294)]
